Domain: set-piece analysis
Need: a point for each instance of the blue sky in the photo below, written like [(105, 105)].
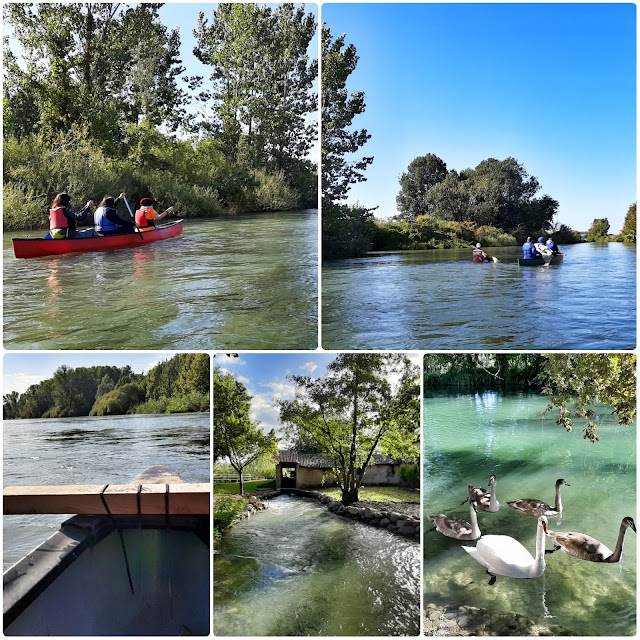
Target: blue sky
[(265, 377), (552, 85), (21, 370)]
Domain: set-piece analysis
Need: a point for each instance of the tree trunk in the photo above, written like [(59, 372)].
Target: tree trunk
[(241, 484), (349, 496)]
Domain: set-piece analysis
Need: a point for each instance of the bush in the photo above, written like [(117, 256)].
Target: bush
[(410, 475), (226, 511), (119, 401)]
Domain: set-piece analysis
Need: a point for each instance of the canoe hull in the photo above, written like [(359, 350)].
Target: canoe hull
[(538, 262), (38, 247)]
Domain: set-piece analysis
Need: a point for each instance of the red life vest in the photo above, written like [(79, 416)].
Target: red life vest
[(141, 217), (57, 219)]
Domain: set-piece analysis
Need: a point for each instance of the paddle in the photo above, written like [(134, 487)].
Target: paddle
[(134, 219), (473, 246)]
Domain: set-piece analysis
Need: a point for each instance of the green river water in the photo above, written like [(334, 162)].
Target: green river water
[(242, 282), (467, 437), (297, 569)]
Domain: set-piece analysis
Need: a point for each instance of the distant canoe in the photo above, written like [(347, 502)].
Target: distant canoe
[(538, 262), (38, 247)]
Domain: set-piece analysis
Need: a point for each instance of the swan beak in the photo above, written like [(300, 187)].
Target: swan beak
[(544, 528), (633, 526)]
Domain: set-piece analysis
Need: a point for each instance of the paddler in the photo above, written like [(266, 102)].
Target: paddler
[(146, 215), (542, 248), (553, 246), (529, 250), (106, 219), (63, 220), (479, 255)]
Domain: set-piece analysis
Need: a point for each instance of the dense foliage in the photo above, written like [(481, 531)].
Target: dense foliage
[(175, 385), (236, 437), (628, 232), (226, 511), (346, 229), (80, 115), (410, 475), (355, 411), (599, 231)]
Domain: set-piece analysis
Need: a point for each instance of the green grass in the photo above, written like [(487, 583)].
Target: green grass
[(229, 488), (379, 494)]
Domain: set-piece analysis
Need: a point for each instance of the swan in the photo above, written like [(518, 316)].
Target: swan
[(536, 508), (458, 528), (486, 500), (580, 545), (505, 556)]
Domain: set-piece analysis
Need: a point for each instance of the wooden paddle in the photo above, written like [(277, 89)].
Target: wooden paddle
[(488, 256), (134, 219)]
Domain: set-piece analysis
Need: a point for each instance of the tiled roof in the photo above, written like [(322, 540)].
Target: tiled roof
[(320, 461)]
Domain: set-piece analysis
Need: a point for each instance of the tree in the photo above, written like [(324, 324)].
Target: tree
[(599, 230), (338, 111), (450, 199), (347, 231), (586, 379), (422, 174), (235, 436), (356, 411), (628, 232), (10, 405)]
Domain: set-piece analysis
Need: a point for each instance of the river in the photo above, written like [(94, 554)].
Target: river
[(467, 437), (297, 569), (87, 450), (440, 299), (241, 282)]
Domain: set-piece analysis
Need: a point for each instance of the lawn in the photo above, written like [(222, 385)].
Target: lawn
[(229, 488), (379, 494)]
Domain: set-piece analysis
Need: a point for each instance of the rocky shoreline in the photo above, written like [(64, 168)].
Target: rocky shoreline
[(472, 621)]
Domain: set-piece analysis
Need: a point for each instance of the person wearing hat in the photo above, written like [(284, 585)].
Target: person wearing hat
[(106, 219), (146, 215), (479, 255), (542, 248), (553, 246)]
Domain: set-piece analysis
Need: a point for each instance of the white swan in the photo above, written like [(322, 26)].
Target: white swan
[(458, 528), (536, 508), (504, 556), (486, 499), (580, 545)]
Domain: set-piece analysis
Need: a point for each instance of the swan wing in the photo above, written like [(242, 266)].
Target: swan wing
[(531, 507), (504, 554), (477, 493), (451, 526), (473, 552), (580, 545)]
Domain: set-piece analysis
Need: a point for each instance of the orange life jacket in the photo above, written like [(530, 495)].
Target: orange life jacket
[(142, 217), (57, 219)]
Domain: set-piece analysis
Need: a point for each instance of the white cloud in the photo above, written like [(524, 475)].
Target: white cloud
[(223, 358), (284, 390), (242, 379), (20, 382), (309, 366)]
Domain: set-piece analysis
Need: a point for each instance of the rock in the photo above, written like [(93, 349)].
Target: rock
[(385, 522), (354, 511), (374, 522), (406, 530), (334, 504), (368, 513), (400, 523), (391, 527), (393, 517)]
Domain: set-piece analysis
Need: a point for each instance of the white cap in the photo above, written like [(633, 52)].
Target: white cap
[(478, 245)]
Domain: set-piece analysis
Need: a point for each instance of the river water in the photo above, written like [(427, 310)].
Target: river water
[(469, 437), (297, 569), (242, 282), (87, 450), (440, 299)]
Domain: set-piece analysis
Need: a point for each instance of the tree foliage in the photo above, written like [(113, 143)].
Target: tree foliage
[(235, 436), (577, 382), (599, 230), (628, 232), (108, 390), (355, 411), (422, 174)]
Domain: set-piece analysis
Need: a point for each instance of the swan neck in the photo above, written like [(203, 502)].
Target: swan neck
[(539, 563), (492, 499), (558, 500), (474, 521), (615, 556)]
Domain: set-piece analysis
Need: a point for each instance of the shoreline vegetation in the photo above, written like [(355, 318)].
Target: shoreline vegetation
[(79, 115), (178, 385), (495, 203)]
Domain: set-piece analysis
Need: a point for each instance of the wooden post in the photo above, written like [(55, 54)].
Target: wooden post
[(184, 499)]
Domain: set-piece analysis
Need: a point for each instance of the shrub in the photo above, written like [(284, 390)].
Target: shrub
[(410, 475), (119, 401), (226, 511)]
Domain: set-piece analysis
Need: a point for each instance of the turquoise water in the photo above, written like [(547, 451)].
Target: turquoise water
[(235, 282), (297, 569), (439, 299), (467, 437)]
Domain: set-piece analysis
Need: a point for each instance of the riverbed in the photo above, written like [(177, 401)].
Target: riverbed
[(88, 450), (297, 569), (468, 437), (241, 282), (440, 299)]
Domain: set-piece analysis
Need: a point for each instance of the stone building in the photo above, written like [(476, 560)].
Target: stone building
[(296, 470)]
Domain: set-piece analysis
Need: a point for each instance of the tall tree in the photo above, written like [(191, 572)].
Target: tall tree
[(355, 411), (599, 230), (628, 232), (235, 436), (422, 174)]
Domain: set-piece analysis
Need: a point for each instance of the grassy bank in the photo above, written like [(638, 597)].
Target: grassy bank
[(379, 494), (233, 488)]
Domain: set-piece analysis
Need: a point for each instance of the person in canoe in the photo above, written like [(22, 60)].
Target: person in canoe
[(479, 255), (553, 246), (107, 221), (542, 248), (529, 250), (146, 215), (63, 220)]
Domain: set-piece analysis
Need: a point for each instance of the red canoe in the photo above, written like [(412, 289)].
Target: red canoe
[(37, 247)]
